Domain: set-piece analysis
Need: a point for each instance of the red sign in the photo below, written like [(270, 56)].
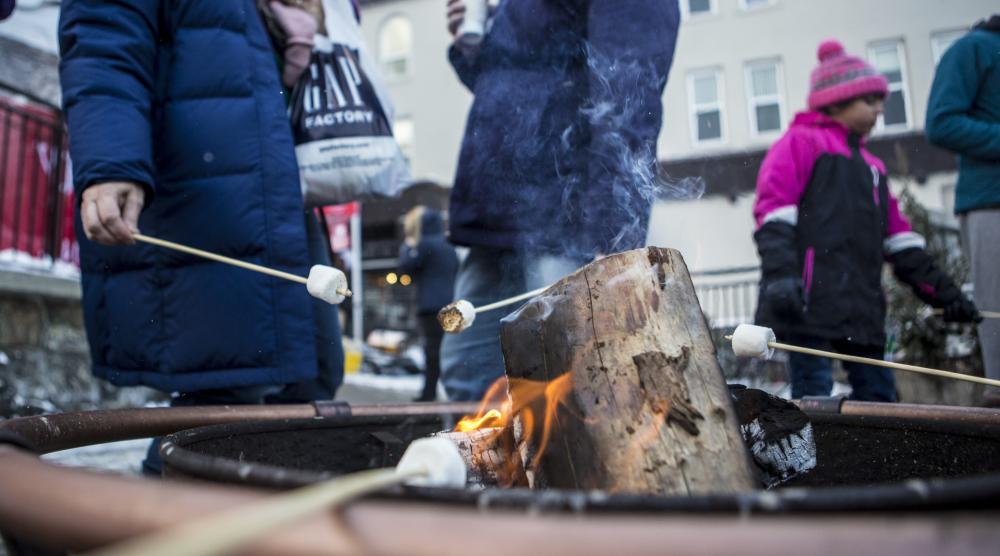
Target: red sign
[(31, 142), (338, 220)]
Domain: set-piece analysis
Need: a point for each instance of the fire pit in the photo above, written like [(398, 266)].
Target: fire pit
[(875, 462)]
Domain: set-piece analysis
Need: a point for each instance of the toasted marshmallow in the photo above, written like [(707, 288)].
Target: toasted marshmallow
[(457, 316)]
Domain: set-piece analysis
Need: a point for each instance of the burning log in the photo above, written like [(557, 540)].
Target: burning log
[(622, 349), (489, 456)]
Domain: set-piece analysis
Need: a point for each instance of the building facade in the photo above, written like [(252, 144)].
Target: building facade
[(741, 72)]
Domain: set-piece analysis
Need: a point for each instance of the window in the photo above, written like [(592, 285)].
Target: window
[(706, 106), (754, 4), (765, 98), (395, 46), (402, 130), (887, 57), (695, 8), (942, 41)]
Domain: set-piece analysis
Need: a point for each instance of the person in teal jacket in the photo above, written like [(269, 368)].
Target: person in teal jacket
[(963, 115)]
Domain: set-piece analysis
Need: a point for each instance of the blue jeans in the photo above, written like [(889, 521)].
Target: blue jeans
[(813, 376), (472, 361)]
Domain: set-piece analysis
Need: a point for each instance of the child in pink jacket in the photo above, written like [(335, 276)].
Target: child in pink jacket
[(826, 223)]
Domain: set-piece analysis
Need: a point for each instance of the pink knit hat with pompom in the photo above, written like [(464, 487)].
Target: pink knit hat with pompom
[(840, 77)]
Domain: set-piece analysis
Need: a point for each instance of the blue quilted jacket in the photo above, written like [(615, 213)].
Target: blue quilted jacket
[(184, 97)]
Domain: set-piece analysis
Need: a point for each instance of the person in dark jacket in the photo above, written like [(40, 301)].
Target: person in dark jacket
[(178, 128), (963, 115), (6, 8), (827, 221), (558, 161), (431, 261)]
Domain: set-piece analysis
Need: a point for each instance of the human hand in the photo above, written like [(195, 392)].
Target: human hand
[(785, 295), (456, 14), (296, 22), (110, 212), (962, 310)]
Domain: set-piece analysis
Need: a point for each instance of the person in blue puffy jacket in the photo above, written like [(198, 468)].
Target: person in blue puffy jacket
[(177, 128)]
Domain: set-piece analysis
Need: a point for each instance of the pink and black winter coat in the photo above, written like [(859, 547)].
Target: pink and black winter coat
[(826, 216)]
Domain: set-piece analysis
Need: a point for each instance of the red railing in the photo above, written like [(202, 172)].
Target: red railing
[(36, 196)]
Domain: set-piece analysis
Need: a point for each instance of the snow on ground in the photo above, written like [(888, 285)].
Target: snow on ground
[(19, 261), (126, 457), (123, 457)]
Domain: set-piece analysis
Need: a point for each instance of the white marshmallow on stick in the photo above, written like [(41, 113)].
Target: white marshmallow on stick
[(433, 461), (318, 287), (753, 341), (327, 283), (758, 341)]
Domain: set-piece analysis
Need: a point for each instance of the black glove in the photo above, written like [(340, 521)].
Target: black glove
[(962, 310), (785, 297)]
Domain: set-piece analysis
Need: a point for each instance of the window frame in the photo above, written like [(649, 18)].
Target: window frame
[(685, 5), (936, 51), (902, 86), (753, 101), (694, 108), (384, 60), (407, 146)]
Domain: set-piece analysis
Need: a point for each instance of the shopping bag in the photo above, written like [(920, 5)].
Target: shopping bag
[(341, 120)]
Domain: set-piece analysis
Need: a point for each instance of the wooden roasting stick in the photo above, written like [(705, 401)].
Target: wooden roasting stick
[(427, 461), (758, 341), (459, 315), (984, 314), (230, 261)]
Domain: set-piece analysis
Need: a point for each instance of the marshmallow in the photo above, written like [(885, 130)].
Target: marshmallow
[(752, 341), (457, 316), (438, 460), (323, 283)]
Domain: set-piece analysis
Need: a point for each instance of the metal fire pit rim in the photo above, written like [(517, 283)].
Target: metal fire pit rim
[(912, 494), (176, 455)]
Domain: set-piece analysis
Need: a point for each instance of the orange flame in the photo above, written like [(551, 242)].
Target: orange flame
[(525, 399), (492, 418)]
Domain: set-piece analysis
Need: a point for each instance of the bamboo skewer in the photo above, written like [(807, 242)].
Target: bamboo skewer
[(984, 314), (436, 461), (881, 363), (227, 260), (510, 300), (459, 315), (232, 529)]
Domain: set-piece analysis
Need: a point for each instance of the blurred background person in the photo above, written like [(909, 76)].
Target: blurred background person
[(963, 115), (432, 263)]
